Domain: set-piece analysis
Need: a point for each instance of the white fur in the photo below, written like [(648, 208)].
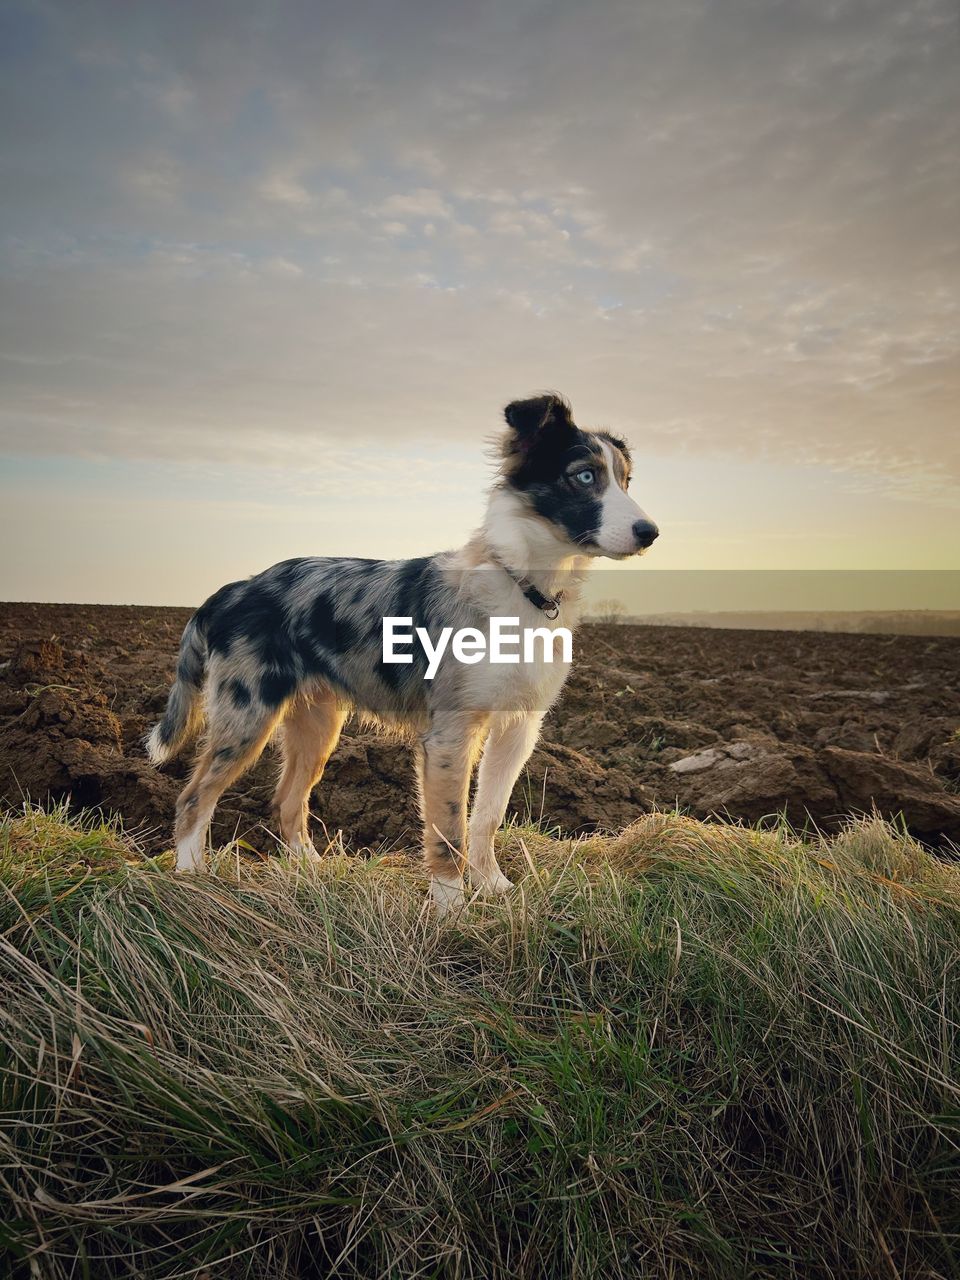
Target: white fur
[(306, 849), (522, 538), (157, 753), (507, 750), (620, 514), (518, 538), (190, 851), (446, 894)]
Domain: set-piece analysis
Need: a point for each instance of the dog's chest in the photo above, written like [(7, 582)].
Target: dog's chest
[(532, 684), (535, 684)]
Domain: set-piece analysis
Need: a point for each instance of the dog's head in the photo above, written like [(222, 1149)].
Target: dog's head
[(575, 480)]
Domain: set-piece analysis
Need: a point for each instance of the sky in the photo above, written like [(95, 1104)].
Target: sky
[(269, 272)]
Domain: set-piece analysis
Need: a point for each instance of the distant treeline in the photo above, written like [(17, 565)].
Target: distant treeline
[(912, 622)]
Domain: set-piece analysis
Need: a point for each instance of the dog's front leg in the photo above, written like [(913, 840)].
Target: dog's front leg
[(446, 757), (507, 751)]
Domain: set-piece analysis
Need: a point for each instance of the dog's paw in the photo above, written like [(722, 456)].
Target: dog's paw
[(190, 860), (304, 849), (494, 883), (446, 896), (188, 868)]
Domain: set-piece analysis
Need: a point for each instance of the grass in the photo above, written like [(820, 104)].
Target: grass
[(688, 1051)]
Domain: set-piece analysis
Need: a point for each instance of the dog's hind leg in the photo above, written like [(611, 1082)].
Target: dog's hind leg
[(310, 734), (234, 742), (507, 751), (445, 761)]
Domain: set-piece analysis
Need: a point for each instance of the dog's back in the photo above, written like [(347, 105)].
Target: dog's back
[(301, 625)]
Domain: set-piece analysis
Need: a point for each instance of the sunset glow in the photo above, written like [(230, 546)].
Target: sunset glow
[(268, 281)]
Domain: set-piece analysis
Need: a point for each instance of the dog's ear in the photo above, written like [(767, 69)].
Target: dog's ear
[(529, 418)]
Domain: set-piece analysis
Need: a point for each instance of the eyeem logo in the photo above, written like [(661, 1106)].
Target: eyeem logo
[(469, 645)]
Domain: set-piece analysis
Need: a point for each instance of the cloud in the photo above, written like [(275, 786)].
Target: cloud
[(285, 188), (423, 203), (727, 228)]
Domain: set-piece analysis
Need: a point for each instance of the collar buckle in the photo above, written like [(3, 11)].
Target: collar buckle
[(549, 606)]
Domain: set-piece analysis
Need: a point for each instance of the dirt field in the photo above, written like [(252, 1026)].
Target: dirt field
[(735, 723)]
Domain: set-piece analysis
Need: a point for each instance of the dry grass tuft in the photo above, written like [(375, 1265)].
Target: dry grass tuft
[(689, 1050)]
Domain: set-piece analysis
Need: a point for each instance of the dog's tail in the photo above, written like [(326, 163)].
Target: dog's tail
[(183, 717)]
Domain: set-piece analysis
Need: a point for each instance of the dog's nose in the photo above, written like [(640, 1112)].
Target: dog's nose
[(646, 533)]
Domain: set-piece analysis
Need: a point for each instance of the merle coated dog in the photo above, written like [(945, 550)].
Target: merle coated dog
[(298, 647)]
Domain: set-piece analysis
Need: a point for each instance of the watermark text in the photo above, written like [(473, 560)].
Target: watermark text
[(506, 643)]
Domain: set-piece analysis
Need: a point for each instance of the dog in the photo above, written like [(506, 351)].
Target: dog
[(297, 648)]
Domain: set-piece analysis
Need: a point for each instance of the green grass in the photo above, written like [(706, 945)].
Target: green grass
[(688, 1051)]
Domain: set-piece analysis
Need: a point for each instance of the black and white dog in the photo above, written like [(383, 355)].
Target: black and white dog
[(300, 646)]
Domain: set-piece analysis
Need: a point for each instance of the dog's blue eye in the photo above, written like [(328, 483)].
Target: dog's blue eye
[(585, 477)]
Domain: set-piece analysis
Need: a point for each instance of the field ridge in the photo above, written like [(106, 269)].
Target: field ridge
[(691, 1049)]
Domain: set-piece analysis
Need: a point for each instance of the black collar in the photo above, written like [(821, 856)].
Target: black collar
[(548, 605)]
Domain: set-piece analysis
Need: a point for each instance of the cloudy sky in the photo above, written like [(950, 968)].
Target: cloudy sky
[(270, 270)]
